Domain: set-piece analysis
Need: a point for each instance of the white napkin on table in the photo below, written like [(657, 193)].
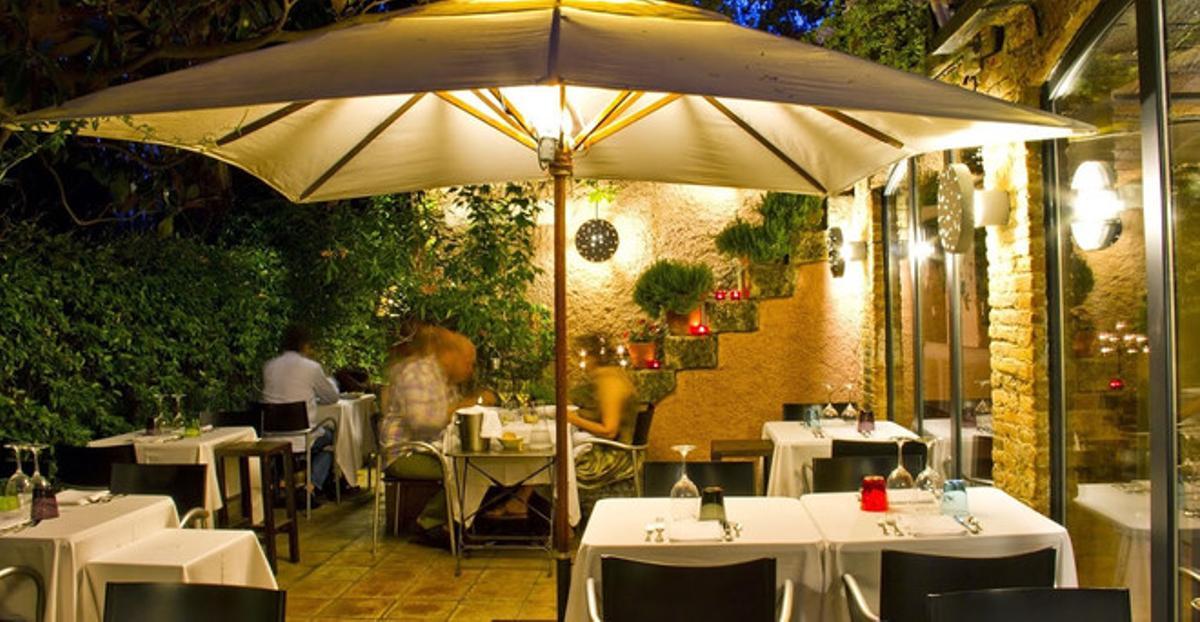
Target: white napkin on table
[(930, 525), (695, 531), (79, 497), (491, 426)]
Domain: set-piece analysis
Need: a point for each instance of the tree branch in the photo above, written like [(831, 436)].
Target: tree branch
[(108, 146), (62, 196)]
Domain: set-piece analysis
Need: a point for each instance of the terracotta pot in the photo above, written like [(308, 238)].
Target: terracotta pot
[(639, 353), (744, 277), (680, 324)]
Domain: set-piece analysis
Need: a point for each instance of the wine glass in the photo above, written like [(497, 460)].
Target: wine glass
[(685, 497), (900, 478), (177, 421), (160, 415), (930, 479), (851, 413), (829, 412), (19, 488)]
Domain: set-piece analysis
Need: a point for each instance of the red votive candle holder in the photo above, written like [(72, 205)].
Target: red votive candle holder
[(735, 294), (698, 330), (653, 364), (874, 494), (719, 294)]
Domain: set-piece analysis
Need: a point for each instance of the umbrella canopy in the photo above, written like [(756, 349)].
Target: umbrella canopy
[(460, 91)]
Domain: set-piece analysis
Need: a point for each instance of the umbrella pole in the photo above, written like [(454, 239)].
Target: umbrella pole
[(561, 170)]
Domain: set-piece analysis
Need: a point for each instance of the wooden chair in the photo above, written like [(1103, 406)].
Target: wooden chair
[(269, 453), (1031, 605), (845, 474), (89, 467), (906, 579), (252, 418), (291, 419), (636, 591), (842, 448), (186, 484), (192, 602), (737, 478), (636, 448), (758, 450)]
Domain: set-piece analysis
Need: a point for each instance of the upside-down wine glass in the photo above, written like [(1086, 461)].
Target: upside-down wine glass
[(829, 412), (930, 479), (18, 491), (177, 421), (900, 478), (851, 413), (685, 497)]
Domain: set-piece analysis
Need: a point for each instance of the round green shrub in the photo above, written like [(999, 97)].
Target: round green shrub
[(672, 286)]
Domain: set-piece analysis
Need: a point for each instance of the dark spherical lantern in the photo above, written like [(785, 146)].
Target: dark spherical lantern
[(597, 240)]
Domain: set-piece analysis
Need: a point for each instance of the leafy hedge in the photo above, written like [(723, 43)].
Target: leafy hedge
[(92, 330)]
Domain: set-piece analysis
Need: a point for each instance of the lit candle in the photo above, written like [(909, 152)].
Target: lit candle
[(735, 294), (698, 330), (653, 364), (719, 294)]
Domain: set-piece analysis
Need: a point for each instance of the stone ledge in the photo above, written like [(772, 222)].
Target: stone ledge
[(690, 352), (654, 384), (810, 247), (772, 280), (731, 316)]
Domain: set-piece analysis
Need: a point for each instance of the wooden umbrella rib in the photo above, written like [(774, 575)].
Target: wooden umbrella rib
[(497, 107), (862, 127), (513, 112), (262, 122), (765, 142), (494, 124), (602, 118), (362, 144), (624, 122)]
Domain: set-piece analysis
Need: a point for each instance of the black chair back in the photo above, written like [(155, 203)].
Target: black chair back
[(982, 462), (794, 411), (192, 602), (1031, 605), (252, 418), (637, 591), (89, 467), (844, 448), (641, 428), (845, 474), (281, 418), (737, 478), (187, 484), (907, 579)]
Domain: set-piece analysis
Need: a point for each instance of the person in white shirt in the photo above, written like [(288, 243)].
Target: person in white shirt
[(294, 377)]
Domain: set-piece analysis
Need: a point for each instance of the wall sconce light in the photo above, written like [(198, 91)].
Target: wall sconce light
[(963, 208), (1095, 207), (991, 208), (841, 251)]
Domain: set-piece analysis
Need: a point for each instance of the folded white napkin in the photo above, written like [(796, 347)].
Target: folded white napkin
[(695, 531), (930, 525), (491, 428), (79, 497)]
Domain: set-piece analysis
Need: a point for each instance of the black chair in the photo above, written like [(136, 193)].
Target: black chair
[(845, 448), (39, 587), (192, 602), (1031, 605), (636, 448), (252, 418), (737, 478), (291, 419), (906, 579), (845, 474), (981, 467), (407, 448), (186, 484), (89, 467), (636, 591)]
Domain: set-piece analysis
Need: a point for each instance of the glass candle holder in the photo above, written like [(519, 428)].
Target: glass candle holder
[(954, 498), (874, 494), (712, 503)]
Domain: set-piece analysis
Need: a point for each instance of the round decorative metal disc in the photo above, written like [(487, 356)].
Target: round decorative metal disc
[(956, 210), (597, 240)]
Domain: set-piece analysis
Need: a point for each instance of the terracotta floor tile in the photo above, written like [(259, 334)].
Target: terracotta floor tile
[(408, 608), (484, 611), (319, 588), (304, 605), (358, 608)]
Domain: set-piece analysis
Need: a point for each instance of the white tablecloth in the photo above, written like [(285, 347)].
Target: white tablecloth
[(195, 450), (355, 436), (772, 527), (1129, 513), (60, 548), (177, 556), (941, 429), (796, 446), (854, 541), (509, 467)]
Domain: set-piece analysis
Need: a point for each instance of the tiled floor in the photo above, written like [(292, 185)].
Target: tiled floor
[(338, 578)]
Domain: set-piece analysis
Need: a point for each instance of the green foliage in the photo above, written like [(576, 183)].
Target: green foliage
[(888, 32), (1080, 280), (672, 286), (92, 330), (784, 217)]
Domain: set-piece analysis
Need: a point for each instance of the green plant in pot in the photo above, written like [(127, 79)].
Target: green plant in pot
[(642, 342), (785, 217), (674, 289)]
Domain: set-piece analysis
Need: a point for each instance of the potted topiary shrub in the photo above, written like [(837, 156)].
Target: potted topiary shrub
[(767, 247), (642, 342), (674, 289)]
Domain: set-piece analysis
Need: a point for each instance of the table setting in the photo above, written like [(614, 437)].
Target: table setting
[(356, 438)]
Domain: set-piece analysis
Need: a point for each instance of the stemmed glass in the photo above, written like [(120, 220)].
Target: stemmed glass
[(930, 479), (177, 421), (19, 489), (160, 415), (685, 497), (851, 413), (900, 478), (829, 412)]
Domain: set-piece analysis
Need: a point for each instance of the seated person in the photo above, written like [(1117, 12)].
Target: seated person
[(295, 377), (421, 399), (607, 409)]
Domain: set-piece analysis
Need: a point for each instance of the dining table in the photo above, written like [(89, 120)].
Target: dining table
[(59, 549), (1126, 507), (182, 449), (214, 557), (796, 444), (771, 527), (942, 430), (854, 539), (355, 434)]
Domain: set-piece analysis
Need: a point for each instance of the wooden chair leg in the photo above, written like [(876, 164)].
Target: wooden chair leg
[(293, 520), (268, 498), (223, 513)]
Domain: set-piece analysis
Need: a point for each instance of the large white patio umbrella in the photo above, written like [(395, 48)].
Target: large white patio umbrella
[(474, 91)]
